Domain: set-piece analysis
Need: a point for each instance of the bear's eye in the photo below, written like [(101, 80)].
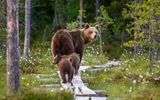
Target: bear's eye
[(91, 32)]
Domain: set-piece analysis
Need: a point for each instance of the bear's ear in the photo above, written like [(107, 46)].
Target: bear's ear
[(57, 59), (70, 59), (97, 27), (58, 55), (86, 26), (78, 54)]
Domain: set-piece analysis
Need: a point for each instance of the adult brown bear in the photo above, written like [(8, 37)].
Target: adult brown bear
[(65, 42)]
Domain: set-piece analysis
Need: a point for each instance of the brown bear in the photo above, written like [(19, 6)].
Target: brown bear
[(75, 61), (65, 42), (65, 67), (74, 57)]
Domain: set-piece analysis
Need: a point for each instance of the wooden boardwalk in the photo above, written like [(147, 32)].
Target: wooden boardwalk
[(77, 87), (80, 90)]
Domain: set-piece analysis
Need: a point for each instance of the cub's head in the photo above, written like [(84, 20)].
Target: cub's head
[(59, 58), (90, 33)]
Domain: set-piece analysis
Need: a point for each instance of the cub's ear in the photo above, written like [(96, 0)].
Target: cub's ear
[(57, 59), (86, 26), (78, 54), (70, 59), (57, 56), (97, 27)]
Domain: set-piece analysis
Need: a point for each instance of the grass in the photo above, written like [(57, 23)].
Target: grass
[(39, 63), (129, 81), (26, 94), (92, 56)]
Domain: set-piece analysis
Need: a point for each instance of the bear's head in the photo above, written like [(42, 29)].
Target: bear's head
[(90, 33)]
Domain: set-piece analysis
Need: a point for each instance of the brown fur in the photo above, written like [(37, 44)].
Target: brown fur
[(75, 61), (65, 42), (65, 68), (74, 57)]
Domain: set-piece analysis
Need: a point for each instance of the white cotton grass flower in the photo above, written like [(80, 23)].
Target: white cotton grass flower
[(33, 82), (134, 81), (141, 76), (27, 84), (22, 78), (130, 89)]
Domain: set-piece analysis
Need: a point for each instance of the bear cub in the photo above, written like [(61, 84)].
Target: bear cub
[(65, 67), (75, 60)]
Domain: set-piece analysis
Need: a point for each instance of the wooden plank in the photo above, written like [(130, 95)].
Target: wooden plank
[(42, 89), (82, 68), (80, 90), (50, 85), (85, 90), (90, 98), (43, 75), (77, 91), (98, 98), (108, 64), (79, 86), (64, 85), (77, 82), (82, 98), (46, 79)]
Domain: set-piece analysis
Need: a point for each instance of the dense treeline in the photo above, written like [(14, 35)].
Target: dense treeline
[(46, 15)]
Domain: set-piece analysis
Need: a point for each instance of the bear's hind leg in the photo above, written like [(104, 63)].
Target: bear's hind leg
[(70, 75), (63, 77)]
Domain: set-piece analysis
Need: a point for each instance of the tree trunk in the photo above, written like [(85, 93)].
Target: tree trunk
[(17, 21), (100, 32), (150, 49), (97, 7), (13, 73), (81, 14), (27, 29), (150, 41), (136, 31), (156, 33)]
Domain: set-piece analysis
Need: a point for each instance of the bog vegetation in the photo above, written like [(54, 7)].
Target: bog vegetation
[(129, 32)]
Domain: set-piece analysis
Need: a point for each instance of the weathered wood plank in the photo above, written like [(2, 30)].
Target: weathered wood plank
[(84, 68), (46, 89), (82, 98), (46, 79), (98, 98), (108, 64), (80, 90), (50, 85), (90, 98), (85, 90), (64, 85), (77, 81), (79, 86)]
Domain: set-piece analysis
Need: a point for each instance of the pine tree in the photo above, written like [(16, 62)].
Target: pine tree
[(13, 73), (146, 24), (27, 29)]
